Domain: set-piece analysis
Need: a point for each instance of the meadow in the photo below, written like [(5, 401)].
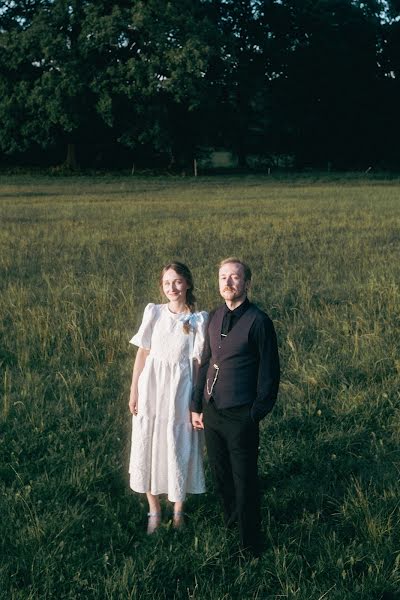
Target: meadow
[(79, 260)]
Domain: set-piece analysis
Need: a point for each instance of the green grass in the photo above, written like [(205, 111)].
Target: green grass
[(79, 259)]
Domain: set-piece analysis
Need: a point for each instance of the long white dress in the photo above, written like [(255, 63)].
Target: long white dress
[(166, 452)]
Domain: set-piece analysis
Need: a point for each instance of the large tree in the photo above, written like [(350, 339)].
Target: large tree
[(326, 94), (71, 69), (45, 93), (238, 77)]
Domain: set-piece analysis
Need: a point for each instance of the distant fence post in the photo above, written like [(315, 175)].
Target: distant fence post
[(195, 167)]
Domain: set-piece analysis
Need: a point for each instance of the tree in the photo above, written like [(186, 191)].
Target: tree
[(327, 93), (388, 58), (237, 80), (162, 85), (75, 70)]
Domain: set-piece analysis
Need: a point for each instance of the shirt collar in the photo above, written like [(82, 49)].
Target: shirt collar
[(239, 310)]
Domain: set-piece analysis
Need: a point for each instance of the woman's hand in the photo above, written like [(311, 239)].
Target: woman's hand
[(197, 420), (133, 401)]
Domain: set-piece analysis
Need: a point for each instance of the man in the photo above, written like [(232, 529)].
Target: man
[(237, 386)]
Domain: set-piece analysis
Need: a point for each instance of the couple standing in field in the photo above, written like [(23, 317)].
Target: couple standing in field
[(193, 372)]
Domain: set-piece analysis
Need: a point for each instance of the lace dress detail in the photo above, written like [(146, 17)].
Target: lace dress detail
[(166, 452)]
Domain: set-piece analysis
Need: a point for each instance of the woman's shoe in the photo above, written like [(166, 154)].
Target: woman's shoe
[(153, 521), (178, 519)]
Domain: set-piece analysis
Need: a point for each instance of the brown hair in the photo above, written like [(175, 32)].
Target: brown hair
[(185, 272), (234, 259)]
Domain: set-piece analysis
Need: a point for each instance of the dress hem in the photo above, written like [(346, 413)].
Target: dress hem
[(170, 498)]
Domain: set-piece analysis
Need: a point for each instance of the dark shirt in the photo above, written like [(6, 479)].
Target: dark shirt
[(231, 317), (262, 341)]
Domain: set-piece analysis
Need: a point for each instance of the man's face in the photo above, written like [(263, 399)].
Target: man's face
[(232, 285)]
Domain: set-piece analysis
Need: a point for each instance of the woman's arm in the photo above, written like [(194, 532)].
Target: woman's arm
[(138, 367)]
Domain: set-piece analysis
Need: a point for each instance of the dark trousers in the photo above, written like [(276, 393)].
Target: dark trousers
[(232, 440)]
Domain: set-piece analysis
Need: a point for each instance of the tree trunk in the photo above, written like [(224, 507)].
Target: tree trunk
[(70, 161), (242, 156)]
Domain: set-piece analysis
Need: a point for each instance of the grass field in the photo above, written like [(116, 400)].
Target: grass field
[(79, 259)]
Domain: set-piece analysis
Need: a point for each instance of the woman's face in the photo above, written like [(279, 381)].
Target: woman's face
[(174, 286)]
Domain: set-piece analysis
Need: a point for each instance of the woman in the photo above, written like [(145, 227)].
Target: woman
[(166, 452)]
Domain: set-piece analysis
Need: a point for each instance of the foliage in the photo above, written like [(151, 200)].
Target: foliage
[(85, 70), (315, 80), (79, 260)]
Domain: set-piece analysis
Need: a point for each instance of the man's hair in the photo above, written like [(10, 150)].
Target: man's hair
[(234, 259)]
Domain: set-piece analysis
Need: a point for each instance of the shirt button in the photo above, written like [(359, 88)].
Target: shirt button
[(219, 347)]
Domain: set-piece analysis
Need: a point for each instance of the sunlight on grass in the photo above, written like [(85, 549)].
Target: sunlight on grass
[(79, 259)]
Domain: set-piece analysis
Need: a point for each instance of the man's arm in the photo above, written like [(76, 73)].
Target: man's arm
[(263, 337)]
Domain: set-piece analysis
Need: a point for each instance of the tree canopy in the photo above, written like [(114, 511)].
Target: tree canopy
[(317, 81)]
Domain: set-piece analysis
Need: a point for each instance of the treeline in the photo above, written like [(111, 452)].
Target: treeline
[(111, 83)]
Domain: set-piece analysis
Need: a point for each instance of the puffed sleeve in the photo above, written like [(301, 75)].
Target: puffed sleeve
[(143, 337), (200, 331)]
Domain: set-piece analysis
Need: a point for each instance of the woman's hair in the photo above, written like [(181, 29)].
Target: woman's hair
[(184, 272)]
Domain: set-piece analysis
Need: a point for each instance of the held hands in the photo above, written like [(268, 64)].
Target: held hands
[(133, 402), (197, 420)]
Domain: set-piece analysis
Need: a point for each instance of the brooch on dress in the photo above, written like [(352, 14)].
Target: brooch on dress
[(189, 321)]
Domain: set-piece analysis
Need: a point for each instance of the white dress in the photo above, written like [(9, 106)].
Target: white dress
[(166, 452)]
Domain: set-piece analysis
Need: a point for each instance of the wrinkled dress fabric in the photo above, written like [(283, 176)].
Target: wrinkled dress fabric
[(166, 452)]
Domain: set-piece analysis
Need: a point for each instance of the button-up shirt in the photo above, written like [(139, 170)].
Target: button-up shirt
[(231, 317)]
